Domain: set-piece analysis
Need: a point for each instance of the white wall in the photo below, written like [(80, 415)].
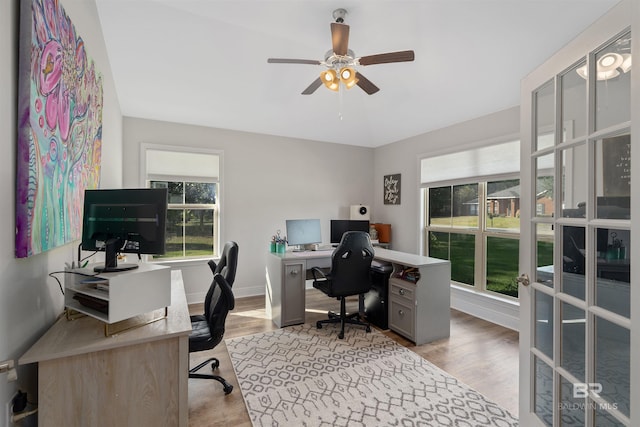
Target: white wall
[(29, 300), (265, 180), (403, 157), (268, 179)]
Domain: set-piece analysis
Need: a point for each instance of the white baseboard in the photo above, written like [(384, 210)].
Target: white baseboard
[(488, 307), (198, 297)]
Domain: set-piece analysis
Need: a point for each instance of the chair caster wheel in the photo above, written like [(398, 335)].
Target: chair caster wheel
[(368, 329), (341, 335), (228, 388), (318, 325), (215, 365)]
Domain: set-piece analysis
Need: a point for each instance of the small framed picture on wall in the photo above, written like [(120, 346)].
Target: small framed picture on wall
[(392, 189)]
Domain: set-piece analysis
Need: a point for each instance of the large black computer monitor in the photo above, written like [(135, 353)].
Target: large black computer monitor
[(341, 226), (124, 221)]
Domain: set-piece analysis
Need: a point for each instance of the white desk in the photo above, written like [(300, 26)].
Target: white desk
[(419, 311), (137, 377)]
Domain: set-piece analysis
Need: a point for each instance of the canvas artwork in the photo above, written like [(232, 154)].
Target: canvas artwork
[(59, 128), (392, 189)]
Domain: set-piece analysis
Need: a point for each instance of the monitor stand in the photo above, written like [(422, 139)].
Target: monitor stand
[(111, 259), (306, 248)]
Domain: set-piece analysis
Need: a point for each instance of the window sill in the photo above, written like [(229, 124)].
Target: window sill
[(487, 294), (179, 263), (492, 308)]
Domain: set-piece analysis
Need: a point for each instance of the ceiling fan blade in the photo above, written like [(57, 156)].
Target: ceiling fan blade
[(385, 58), (312, 87), (365, 84), (292, 61), (340, 38)]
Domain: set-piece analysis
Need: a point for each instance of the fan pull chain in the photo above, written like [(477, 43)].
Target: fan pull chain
[(340, 103)]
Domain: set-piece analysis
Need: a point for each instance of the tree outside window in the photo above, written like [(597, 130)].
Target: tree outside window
[(191, 219)]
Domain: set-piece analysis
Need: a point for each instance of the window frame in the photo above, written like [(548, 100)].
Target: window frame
[(481, 232), (218, 227)]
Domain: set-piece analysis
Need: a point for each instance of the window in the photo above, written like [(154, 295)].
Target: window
[(474, 222), (191, 219), (193, 183)]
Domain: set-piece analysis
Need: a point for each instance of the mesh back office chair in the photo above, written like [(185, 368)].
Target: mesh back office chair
[(350, 275), (208, 328)]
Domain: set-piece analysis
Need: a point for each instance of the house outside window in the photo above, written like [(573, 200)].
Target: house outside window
[(481, 244)]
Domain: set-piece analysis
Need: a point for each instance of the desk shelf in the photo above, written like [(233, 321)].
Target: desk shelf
[(130, 293)]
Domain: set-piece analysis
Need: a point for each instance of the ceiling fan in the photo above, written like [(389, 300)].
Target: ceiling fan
[(340, 61)]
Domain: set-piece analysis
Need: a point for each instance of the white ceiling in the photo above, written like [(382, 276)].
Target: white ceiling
[(204, 62)]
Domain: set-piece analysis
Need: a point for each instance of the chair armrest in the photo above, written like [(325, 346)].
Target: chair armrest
[(317, 270), (226, 290), (212, 265)]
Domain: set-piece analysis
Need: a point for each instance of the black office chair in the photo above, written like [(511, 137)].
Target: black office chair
[(350, 275), (208, 328)]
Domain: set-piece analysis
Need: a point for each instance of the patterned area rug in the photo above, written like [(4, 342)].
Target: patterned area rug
[(302, 376)]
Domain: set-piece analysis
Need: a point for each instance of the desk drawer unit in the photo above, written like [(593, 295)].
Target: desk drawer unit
[(293, 293), (402, 318)]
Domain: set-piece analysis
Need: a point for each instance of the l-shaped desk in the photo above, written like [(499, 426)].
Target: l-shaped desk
[(418, 310)]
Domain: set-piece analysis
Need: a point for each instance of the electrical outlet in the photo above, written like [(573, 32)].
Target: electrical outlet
[(8, 411)]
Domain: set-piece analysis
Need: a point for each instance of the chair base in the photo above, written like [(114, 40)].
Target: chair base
[(214, 365), (343, 318)]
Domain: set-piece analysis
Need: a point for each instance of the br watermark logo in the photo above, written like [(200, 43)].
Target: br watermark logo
[(581, 391)]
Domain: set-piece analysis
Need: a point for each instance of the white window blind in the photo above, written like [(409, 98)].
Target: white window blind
[(481, 162), (184, 164)]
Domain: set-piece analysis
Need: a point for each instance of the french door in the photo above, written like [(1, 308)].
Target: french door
[(577, 249)]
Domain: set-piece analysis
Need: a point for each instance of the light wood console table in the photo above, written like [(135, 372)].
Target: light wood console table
[(137, 377)]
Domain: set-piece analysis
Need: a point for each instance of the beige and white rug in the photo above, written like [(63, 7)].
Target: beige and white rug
[(302, 376)]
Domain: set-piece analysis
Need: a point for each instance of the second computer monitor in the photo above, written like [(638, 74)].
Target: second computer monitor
[(303, 233), (341, 226)]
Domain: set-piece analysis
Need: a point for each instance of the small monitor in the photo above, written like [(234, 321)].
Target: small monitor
[(341, 226), (303, 232), (124, 221)]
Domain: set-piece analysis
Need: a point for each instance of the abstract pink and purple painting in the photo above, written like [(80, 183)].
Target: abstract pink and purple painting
[(59, 128)]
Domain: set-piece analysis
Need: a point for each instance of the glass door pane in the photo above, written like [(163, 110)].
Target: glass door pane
[(572, 349), (544, 109), (574, 181), (544, 186), (572, 407), (574, 100), (543, 392), (544, 323), (613, 177), (573, 261), (613, 273), (544, 254), (612, 365), (613, 83)]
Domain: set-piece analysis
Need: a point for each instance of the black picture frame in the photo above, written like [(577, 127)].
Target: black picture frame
[(392, 189)]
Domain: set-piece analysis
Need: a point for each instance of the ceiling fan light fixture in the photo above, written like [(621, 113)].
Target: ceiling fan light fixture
[(330, 79), (348, 77), (626, 62), (609, 61), (608, 74), (609, 66), (346, 73), (582, 72)]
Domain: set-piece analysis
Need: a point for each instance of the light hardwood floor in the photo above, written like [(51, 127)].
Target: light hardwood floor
[(478, 353)]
